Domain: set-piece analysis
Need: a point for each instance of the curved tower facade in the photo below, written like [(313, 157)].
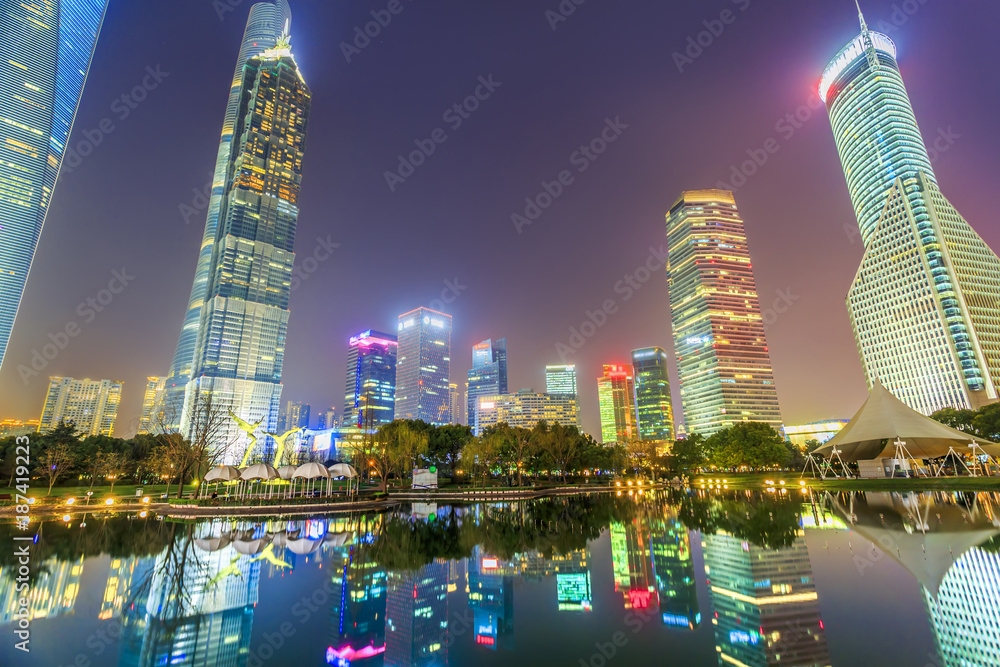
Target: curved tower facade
[(264, 27)]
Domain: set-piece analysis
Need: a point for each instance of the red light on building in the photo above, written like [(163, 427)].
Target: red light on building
[(639, 599), (485, 640)]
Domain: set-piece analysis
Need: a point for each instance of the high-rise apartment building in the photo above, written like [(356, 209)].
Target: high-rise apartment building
[(456, 403), (264, 27), (47, 49), (152, 399), (615, 393), (370, 391), (240, 348), (722, 355), (525, 409), (925, 302), (488, 375), (654, 412), (423, 367), (92, 405)]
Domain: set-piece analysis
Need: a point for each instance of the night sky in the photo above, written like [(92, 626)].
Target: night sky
[(450, 222)]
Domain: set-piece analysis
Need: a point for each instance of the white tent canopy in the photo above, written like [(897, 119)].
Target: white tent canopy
[(285, 472), (884, 419)]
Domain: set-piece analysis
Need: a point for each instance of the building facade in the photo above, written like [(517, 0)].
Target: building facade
[(488, 375), (92, 405), (561, 380), (423, 367), (240, 347), (296, 415), (925, 302), (616, 395), (152, 399), (456, 403), (525, 409), (264, 27), (722, 354), (370, 391), (654, 412), (416, 617), (48, 48)]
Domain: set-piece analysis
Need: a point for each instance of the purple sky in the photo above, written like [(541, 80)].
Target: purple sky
[(451, 220)]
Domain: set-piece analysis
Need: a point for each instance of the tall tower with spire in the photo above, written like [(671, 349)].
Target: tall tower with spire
[(240, 343), (925, 303), (265, 25)]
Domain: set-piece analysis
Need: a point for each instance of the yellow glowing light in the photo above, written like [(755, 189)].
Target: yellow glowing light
[(143, 514), (31, 501), (802, 482)]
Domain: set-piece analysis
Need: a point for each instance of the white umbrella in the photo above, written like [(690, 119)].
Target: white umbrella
[(280, 539), (344, 470), (259, 472), (220, 474), (285, 472), (338, 539), (303, 546), (311, 471), (250, 547), (211, 543)]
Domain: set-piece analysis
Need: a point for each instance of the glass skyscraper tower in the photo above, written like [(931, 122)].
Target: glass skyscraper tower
[(370, 391), (654, 413), (264, 27), (240, 346), (423, 367), (722, 355), (616, 395), (925, 303), (488, 375), (47, 48)]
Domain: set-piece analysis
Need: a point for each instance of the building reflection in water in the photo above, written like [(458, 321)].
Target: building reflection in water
[(416, 618), (766, 605), (52, 594), (673, 569), (357, 616), (491, 599), (633, 563)]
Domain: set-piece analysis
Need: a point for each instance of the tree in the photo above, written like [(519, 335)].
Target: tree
[(962, 420), (564, 445), (114, 466), (396, 447), (445, 443), (208, 424), (56, 461), (688, 454), (750, 444), (987, 422)]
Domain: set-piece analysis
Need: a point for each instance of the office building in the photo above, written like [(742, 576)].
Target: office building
[(92, 405), (560, 380), (47, 49), (15, 427), (925, 302), (524, 410), (800, 434), (632, 563), (616, 395), (488, 375), (722, 355), (654, 412), (240, 348), (296, 415), (357, 614), (491, 598), (423, 367), (52, 594), (963, 613), (766, 603), (370, 391), (264, 27), (152, 399), (456, 403)]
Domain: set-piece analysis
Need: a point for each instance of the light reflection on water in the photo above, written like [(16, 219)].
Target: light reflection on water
[(731, 578)]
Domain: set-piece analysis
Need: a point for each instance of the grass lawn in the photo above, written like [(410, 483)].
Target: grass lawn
[(122, 492), (758, 481)]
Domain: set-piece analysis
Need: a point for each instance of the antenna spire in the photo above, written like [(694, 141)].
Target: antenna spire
[(861, 16), (866, 37)]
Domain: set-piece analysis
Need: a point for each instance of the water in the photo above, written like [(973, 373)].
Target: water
[(680, 579)]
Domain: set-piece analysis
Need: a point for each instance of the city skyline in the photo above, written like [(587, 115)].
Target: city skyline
[(801, 247)]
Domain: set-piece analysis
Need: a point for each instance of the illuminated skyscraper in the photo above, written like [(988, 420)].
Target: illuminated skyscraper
[(240, 349), (264, 26), (632, 562), (357, 628), (456, 403), (722, 355), (616, 395), (47, 48), (673, 568), (152, 399), (560, 380), (90, 404), (488, 375), (52, 594), (491, 598), (423, 367), (370, 392), (525, 409), (654, 413), (766, 602), (925, 303), (296, 415)]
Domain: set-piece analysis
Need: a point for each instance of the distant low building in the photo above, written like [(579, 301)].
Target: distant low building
[(10, 428), (821, 431)]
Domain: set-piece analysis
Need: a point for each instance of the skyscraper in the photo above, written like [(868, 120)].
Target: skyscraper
[(240, 348), (722, 356), (264, 26), (673, 567), (456, 403), (654, 412), (615, 393), (151, 400), (925, 303), (370, 392), (560, 380), (963, 610), (423, 367), (488, 375), (92, 405), (296, 415), (47, 49)]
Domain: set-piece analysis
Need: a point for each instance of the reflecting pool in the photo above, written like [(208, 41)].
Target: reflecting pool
[(692, 578)]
